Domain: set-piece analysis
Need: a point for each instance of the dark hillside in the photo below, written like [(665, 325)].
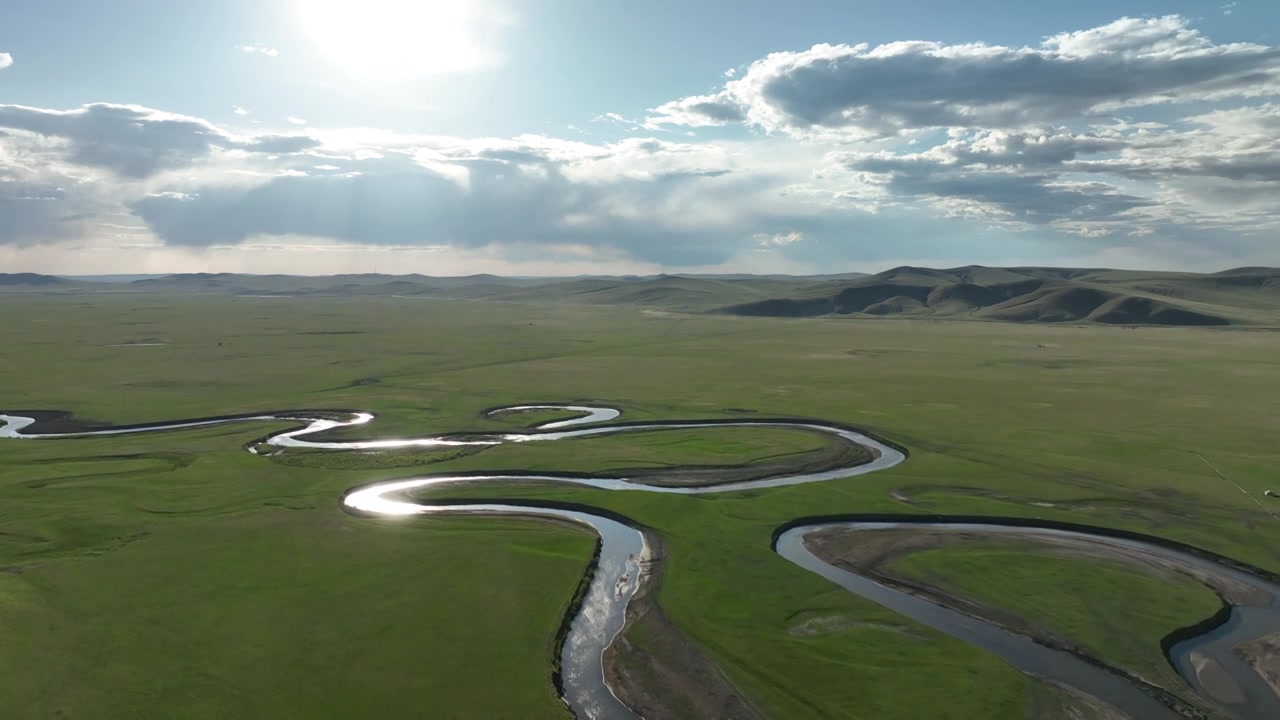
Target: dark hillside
[(32, 280), (1118, 297)]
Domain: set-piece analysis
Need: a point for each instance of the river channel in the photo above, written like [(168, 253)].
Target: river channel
[(621, 567)]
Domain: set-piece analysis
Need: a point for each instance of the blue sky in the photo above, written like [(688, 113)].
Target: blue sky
[(563, 136)]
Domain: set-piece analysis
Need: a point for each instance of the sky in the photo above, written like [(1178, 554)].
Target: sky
[(566, 137)]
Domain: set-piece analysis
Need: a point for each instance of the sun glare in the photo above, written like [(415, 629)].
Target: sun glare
[(395, 38)]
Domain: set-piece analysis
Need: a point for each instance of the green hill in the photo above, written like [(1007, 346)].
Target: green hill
[(1241, 296), (1245, 296)]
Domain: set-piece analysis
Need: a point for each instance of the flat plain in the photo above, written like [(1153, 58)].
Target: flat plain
[(197, 575)]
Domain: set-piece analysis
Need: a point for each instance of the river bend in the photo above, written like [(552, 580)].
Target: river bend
[(619, 571)]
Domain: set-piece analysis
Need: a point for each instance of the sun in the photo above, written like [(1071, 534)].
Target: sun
[(396, 38)]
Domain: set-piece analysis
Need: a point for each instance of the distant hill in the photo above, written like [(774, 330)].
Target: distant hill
[(31, 280), (110, 278), (1031, 294), (1240, 296), (748, 276)]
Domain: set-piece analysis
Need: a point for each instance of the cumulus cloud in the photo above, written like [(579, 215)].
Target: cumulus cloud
[(698, 111), (258, 50), (278, 144), (5, 60), (1027, 150), (1220, 169), (652, 199), (403, 201), (883, 90), (136, 142), (192, 184), (1012, 179), (642, 159), (1034, 199), (780, 239), (1033, 138), (1235, 144), (296, 120), (239, 110)]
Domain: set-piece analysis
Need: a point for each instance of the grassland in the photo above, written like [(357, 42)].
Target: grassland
[(1247, 295), (666, 448), (646, 452), (151, 571), (671, 456), (127, 595), (362, 459), (1107, 608), (1110, 608)]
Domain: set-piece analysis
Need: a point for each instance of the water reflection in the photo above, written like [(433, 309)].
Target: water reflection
[(623, 552), (1256, 700)]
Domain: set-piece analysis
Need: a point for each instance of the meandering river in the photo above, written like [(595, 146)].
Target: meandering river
[(620, 569)]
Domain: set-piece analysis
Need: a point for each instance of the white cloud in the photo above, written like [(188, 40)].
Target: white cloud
[(1264, 119), (1164, 38), (239, 110), (612, 117), (5, 60), (697, 111), (730, 72), (964, 153), (864, 91), (779, 239), (129, 140), (1229, 7), (258, 50), (1221, 172), (195, 185), (296, 120)]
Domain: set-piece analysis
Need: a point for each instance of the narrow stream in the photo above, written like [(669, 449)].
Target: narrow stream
[(619, 572), (1257, 700)]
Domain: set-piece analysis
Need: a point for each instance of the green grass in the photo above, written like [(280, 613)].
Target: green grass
[(131, 595), (532, 418), (184, 559), (672, 456), (363, 459), (646, 450), (1113, 609), (716, 446)]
